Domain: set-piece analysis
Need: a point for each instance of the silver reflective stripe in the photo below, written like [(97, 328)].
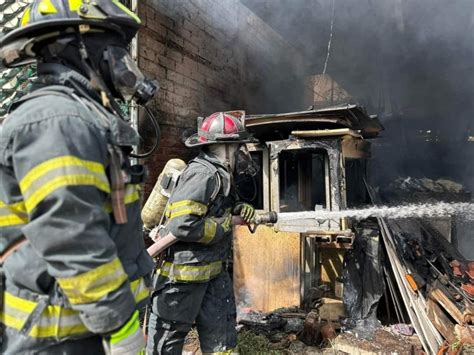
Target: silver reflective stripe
[(60, 171)]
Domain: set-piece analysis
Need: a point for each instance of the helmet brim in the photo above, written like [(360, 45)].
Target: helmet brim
[(193, 141), (36, 29), (59, 27)]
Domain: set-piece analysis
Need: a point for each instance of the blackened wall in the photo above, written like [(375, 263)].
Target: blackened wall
[(210, 56)]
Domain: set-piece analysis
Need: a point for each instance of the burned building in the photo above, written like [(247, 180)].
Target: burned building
[(310, 159)]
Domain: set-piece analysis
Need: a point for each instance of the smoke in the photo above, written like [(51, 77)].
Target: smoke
[(409, 61)]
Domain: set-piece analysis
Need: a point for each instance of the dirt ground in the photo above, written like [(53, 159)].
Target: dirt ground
[(385, 342)]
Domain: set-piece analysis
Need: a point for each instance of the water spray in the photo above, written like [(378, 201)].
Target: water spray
[(462, 210)]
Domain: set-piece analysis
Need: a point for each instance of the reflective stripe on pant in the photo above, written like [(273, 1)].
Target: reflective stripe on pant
[(177, 306)]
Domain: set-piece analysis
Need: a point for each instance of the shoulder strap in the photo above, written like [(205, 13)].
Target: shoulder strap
[(214, 171)]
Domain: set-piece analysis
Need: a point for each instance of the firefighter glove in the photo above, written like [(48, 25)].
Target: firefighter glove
[(245, 211), (128, 340), (227, 223)]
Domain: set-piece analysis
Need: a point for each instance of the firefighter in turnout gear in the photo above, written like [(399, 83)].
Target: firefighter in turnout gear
[(75, 270), (192, 285)]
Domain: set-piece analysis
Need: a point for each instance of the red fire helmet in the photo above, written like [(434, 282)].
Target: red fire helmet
[(219, 128)]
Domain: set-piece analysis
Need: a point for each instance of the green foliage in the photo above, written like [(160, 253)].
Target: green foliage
[(250, 344)]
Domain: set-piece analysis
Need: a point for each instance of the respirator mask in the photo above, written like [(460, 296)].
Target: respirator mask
[(127, 79), (236, 157), (244, 164), (128, 83)]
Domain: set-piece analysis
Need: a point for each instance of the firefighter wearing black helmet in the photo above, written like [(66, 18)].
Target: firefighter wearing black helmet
[(192, 285), (74, 263)]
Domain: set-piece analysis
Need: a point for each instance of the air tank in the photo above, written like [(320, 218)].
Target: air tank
[(155, 206)]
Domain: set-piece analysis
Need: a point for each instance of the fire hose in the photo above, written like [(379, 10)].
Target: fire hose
[(163, 243)]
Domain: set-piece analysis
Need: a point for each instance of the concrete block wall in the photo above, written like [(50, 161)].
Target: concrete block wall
[(210, 55)]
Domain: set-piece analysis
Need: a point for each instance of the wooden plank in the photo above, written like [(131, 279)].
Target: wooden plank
[(332, 261), (441, 321), (331, 309), (438, 295), (267, 268)]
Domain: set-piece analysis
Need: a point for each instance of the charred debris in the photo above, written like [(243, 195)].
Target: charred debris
[(370, 286)]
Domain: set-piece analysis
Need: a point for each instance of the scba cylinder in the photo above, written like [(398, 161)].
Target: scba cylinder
[(155, 206)]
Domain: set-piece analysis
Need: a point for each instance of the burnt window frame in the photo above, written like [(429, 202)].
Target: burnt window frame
[(310, 152), (264, 170)]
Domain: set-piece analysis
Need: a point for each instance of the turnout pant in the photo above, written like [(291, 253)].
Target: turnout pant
[(177, 306)]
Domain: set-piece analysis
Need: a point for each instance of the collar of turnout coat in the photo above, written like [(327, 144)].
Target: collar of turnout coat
[(223, 171), (56, 75)]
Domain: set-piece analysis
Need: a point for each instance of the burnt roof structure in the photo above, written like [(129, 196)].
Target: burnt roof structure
[(280, 126)]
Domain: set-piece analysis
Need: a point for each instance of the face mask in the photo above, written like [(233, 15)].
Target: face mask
[(244, 164), (236, 157), (127, 78)]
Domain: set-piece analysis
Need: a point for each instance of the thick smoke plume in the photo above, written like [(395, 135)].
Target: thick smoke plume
[(409, 61)]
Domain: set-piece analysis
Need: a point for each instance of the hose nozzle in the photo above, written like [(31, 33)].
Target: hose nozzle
[(266, 218)]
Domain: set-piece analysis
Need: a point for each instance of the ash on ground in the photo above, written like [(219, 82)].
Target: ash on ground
[(295, 331)]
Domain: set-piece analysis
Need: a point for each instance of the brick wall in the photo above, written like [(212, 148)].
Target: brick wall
[(210, 55)]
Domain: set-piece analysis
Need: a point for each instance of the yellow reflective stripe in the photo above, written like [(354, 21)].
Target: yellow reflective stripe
[(57, 163), (54, 321), (46, 7), (185, 207), (12, 220), (13, 215), (127, 329), (25, 19), (92, 285), (127, 11), (180, 272), (18, 208), (132, 194), (52, 174), (139, 289), (61, 181), (74, 5), (210, 229)]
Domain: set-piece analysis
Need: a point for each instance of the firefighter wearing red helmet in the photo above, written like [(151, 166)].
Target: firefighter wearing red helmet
[(192, 285), (74, 268)]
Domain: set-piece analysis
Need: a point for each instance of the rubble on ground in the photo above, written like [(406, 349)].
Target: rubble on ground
[(295, 331), (410, 189)]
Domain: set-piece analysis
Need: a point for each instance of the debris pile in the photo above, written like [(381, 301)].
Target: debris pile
[(435, 282), (411, 189), (319, 331), (440, 276)]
